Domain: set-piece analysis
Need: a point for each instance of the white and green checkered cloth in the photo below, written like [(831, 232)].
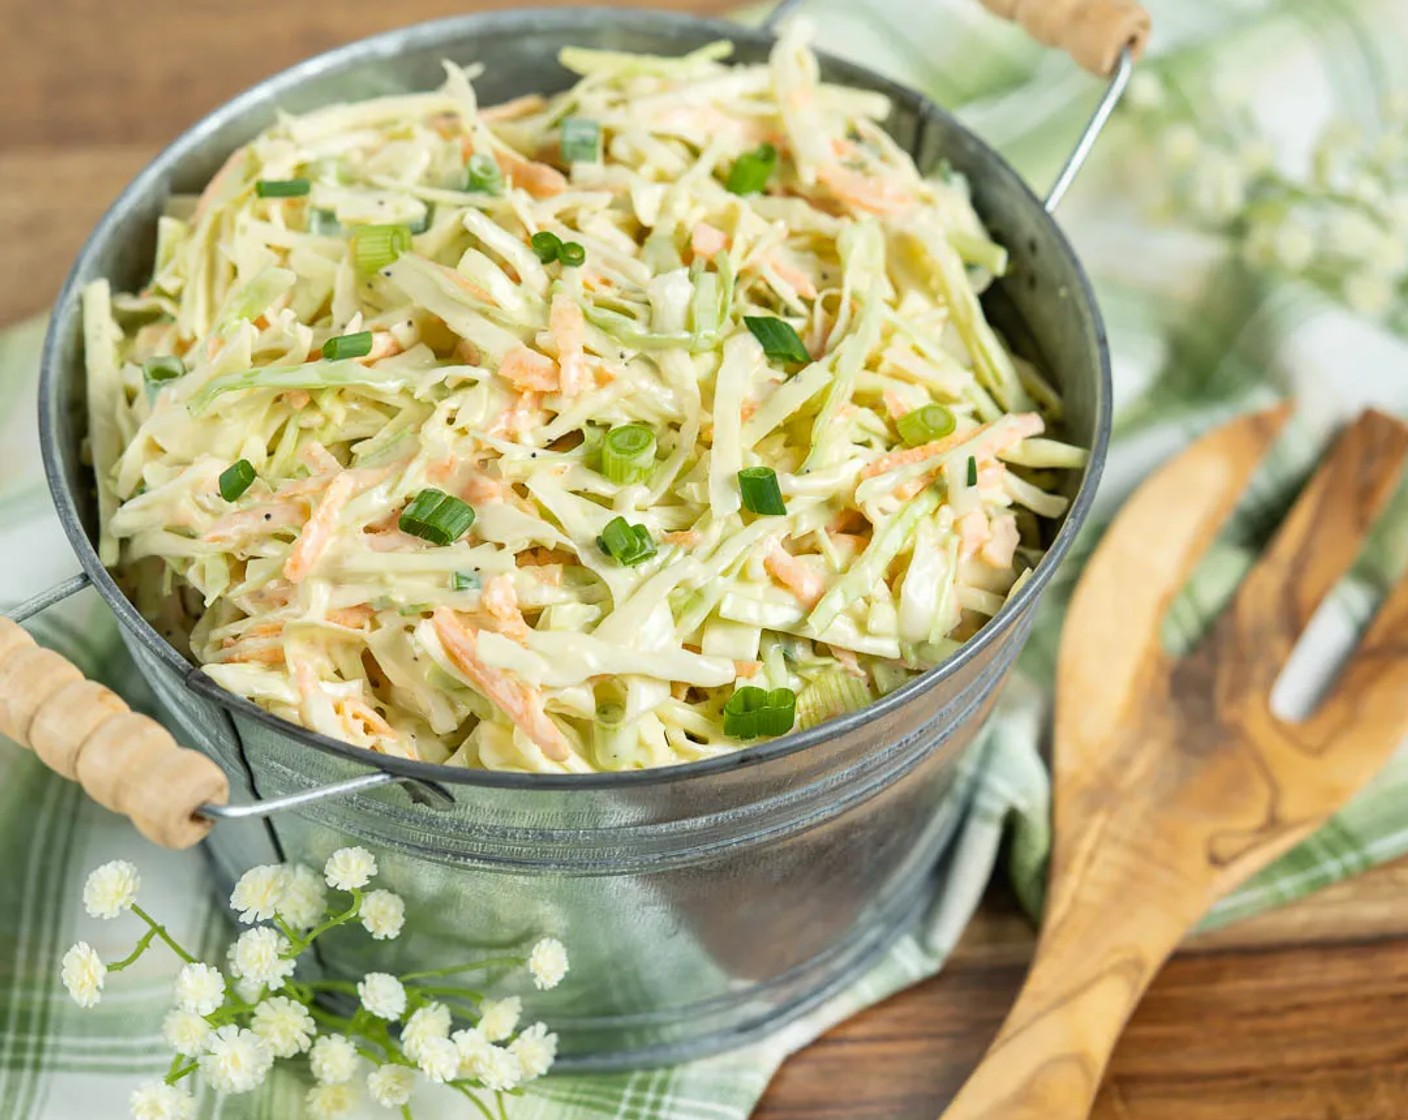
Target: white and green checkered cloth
[(1195, 338)]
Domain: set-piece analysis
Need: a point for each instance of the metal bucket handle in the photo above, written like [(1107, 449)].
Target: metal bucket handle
[(130, 764)]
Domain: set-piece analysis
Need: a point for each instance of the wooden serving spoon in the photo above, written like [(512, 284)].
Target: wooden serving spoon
[(1174, 781)]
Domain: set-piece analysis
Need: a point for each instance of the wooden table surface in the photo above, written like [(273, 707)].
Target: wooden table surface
[(1301, 1014)]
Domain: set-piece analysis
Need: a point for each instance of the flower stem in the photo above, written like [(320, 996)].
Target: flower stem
[(330, 986), (300, 944), (503, 1111), (141, 947), (160, 931), (490, 962), (450, 990), (179, 1071), (483, 1108)]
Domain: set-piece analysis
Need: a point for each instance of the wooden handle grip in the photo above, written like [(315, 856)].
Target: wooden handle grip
[(1093, 32), (125, 761)]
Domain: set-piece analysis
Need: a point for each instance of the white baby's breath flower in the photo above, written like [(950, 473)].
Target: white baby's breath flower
[(439, 1060), (235, 1061), (383, 914), (382, 995), (1219, 188), (471, 1045), (304, 900), (284, 1026), (350, 869), (499, 1070), (330, 1102), (248, 990), (429, 1022), (1368, 294), (199, 988), (157, 1101), (536, 1050), (1182, 146), (548, 963), (1146, 92), (1256, 155), (83, 973), (111, 889), (185, 1032), (258, 957), (498, 1018), (259, 892), (390, 1086), (333, 1059)]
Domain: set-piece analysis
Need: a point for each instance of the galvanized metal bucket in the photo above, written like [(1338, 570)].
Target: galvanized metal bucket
[(702, 904)]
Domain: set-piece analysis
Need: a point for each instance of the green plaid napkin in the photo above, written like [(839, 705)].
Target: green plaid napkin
[(1195, 338)]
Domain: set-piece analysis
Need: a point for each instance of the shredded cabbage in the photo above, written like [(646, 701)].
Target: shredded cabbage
[(494, 373)]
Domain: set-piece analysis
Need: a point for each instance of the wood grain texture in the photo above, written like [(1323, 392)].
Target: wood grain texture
[(1173, 779), (1329, 1014), (124, 761)]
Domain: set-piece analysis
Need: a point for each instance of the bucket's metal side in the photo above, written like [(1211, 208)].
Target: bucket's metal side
[(700, 906)]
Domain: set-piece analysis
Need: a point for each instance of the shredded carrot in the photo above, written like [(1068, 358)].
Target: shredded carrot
[(317, 533), (527, 369), (522, 703), (796, 577)]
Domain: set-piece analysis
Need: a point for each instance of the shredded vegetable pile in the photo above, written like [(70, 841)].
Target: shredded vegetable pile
[(611, 430)]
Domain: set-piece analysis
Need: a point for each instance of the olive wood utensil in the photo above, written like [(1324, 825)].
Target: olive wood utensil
[(1174, 780)]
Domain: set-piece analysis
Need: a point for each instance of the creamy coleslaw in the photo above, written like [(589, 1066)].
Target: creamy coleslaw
[(615, 429)]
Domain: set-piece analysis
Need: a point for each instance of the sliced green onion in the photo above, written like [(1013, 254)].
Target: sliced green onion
[(357, 345), (437, 517), (628, 454), (465, 581), (750, 172), (627, 544), (156, 371), (833, 693), (375, 247), (752, 712), (572, 254), (282, 188), (425, 219), (581, 140), (615, 743), (482, 174), (778, 338), (324, 223), (924, 425), (760, 491), (547, 245), (972, 471), (236, 479)]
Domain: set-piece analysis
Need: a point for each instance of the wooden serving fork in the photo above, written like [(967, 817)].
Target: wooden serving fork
[(1174, 781)]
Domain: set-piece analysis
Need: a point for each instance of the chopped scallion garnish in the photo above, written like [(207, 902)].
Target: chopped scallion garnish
[(436, 517), (760, 491), (752, 712), (156, 371), (628, 454), (833, 693), (972, 471), (547, 245), (357, 345), (627, 544), (751, 171), (375, 247), (236, 479), (572, 254), (282, 188), (482, 174), (779, 339), (465, 581), (924, 425), (581, 140)]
